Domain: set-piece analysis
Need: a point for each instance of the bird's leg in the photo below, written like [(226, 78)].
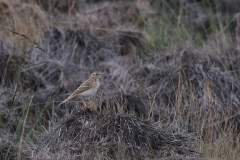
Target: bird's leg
[(84, 104)]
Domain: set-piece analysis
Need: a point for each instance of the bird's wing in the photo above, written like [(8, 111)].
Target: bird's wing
[(84, 87)]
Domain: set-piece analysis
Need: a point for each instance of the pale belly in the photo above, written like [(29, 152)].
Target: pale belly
[(88, 94)]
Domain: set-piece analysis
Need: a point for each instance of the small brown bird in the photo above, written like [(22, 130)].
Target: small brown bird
[(88, 89)]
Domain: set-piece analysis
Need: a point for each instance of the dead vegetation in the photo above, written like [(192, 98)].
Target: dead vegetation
[(87, 134), (169, 92)]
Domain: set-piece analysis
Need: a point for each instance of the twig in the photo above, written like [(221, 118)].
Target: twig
[(24, 124), (121, 93), (16, 88), (24, 37), (53, 110), (27, 38), (2, 48), (151, 105)]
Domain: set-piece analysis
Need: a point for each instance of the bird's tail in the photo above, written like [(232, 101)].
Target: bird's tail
[(70, 97)]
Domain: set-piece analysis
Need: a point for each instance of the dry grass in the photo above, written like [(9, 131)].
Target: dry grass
[(170, 78), (90, 134)]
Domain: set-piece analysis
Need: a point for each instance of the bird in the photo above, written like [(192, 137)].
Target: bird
[(88, 89)]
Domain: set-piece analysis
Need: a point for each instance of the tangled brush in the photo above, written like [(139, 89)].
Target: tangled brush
[(84, 132)]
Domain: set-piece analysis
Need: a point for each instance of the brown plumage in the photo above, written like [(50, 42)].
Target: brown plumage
[(88, 89)]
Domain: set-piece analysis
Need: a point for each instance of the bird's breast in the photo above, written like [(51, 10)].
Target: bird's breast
[(89, 93)]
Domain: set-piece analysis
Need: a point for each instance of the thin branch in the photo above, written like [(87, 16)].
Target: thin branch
[(24, 37), (15, 92), (23, 129), (27, 38)]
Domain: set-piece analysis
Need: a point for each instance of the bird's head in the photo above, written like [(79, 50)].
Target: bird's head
[(96, 74)]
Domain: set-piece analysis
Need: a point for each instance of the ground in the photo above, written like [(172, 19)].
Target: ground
[(171, 88)]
